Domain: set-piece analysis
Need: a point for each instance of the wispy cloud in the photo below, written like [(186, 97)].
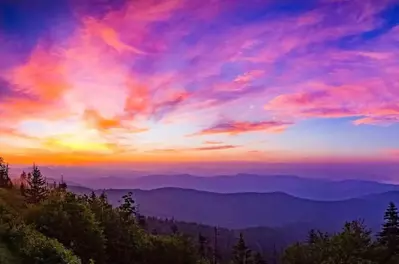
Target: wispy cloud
[(338, 101), (234, 128), (221, 147), (210, 142), (195, 149)]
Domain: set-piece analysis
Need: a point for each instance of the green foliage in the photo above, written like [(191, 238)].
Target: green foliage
[(29, 246), (36, 190), (350, 246), (64, 217), (58, 227), (170, 249), (124, 239), (127, 209), (12, 201), (35, 248)]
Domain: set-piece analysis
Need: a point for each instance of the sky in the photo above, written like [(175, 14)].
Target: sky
[(101, 81)]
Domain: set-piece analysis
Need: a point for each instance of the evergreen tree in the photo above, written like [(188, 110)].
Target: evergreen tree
[(389, 236), (93, 196), (241, 253), (5, 181), (36, 190), (215, 253), (127, 209), (202, 245)]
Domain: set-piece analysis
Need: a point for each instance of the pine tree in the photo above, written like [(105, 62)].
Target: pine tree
[(127, 209), (389, 236), (241, 253), (36, 191), (93, 196), (5, 181)]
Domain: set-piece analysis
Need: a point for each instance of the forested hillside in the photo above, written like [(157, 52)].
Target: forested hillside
[(47, 224)]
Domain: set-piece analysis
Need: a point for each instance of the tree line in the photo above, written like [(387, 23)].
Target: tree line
[(45, 223)]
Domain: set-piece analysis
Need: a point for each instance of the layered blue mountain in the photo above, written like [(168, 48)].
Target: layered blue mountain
[(244, 210), (315, 189)]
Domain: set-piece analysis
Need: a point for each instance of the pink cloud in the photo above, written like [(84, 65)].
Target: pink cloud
[(357, 100), (234, 128), (210, 142)]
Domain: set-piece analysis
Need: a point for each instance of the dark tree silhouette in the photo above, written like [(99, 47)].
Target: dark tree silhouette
[(389, 235), (36, 190), (202, 245), (5, 181), (241, 253), (127, 209)]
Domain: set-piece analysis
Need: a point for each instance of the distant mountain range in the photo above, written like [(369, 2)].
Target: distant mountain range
[(315, 189), (243, 210)]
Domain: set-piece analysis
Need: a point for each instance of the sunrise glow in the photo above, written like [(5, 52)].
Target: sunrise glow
[(199, 80)]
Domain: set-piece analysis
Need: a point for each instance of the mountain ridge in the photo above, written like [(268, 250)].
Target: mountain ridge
[(310, 188), (245, 210)]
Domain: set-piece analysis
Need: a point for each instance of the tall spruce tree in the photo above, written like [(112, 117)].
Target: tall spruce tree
[(5, 181), (241, 253), (389, 235), (36, 190)]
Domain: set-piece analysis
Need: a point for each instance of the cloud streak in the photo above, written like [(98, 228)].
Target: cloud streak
[(235, 128)]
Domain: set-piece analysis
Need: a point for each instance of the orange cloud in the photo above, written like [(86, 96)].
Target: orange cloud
[(99, 122)]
